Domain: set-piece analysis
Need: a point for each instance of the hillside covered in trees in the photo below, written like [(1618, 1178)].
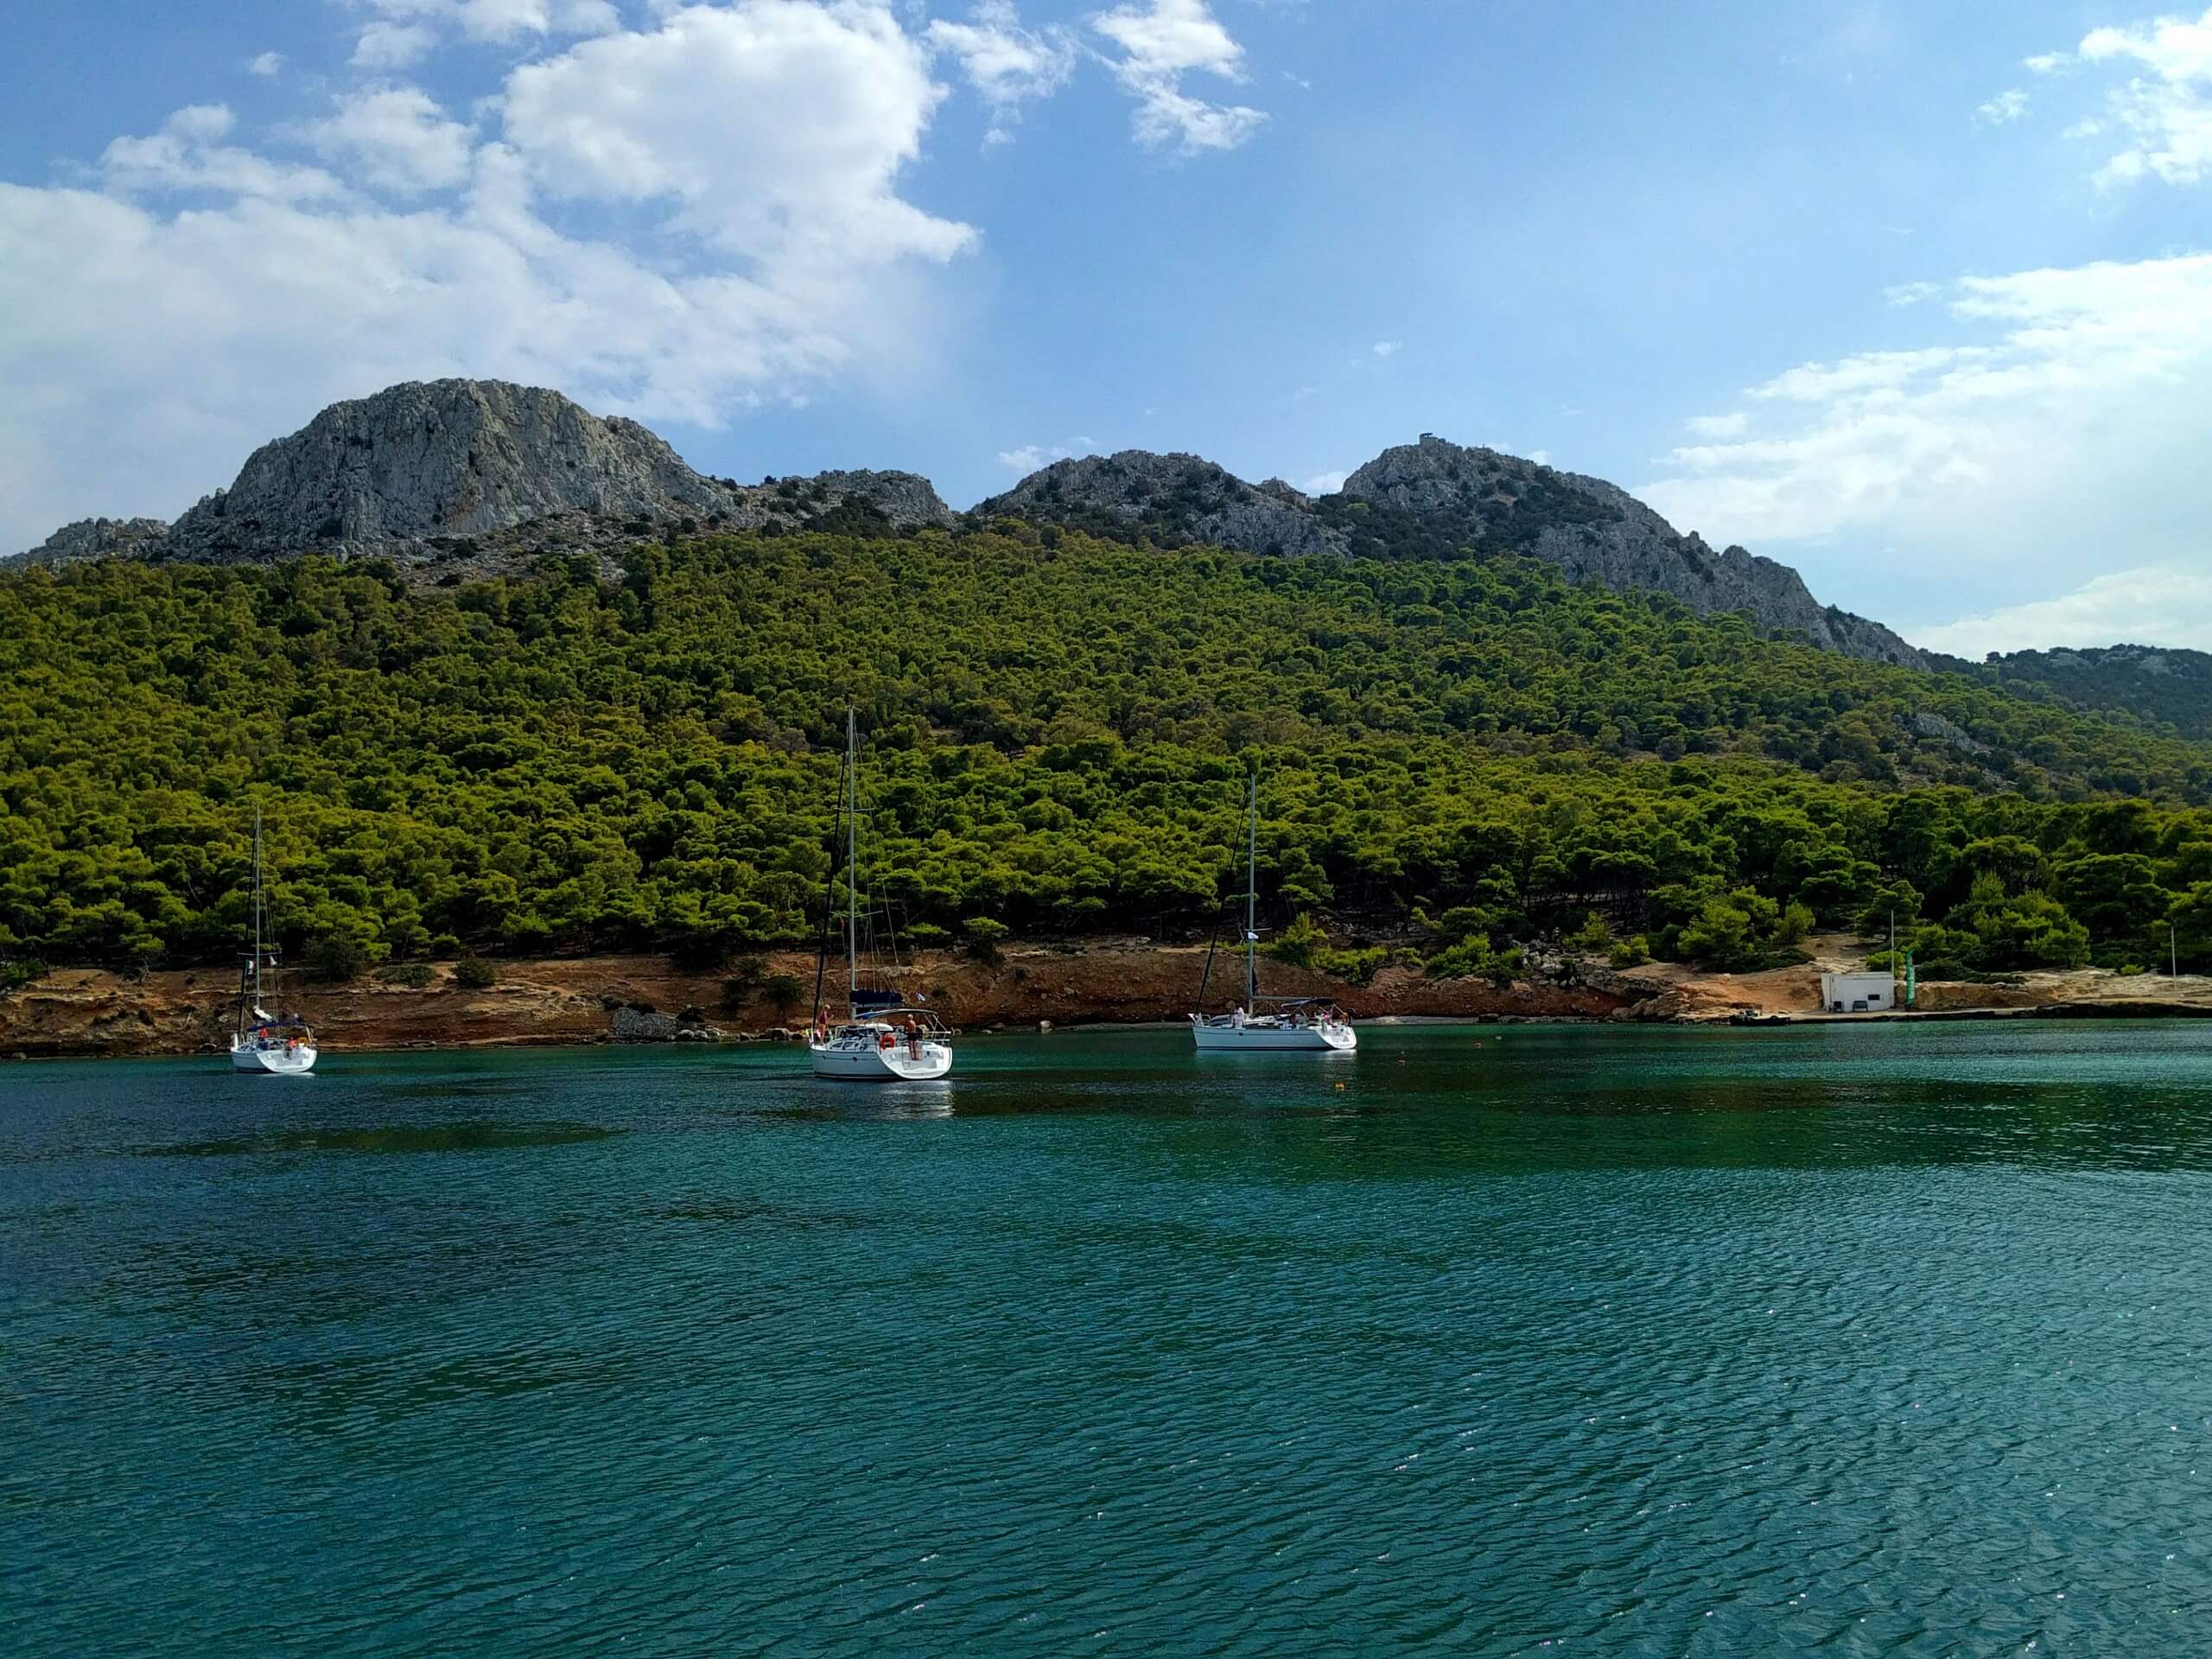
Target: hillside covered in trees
[(1457, 758), (2168, 687)]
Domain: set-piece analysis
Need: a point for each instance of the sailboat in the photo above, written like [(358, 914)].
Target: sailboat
[(1297, 1024), (880, 1040), (260, 1041)]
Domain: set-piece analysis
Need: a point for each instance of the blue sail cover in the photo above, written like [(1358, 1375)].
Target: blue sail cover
[(876, 1001)]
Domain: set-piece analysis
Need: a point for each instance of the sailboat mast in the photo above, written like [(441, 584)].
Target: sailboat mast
[(852, 863), (257, 907), (1252, 898)]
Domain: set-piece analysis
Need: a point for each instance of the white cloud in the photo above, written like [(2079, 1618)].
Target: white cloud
[(397, 138), (1008, 65), (2046, 63), (193, 294), (1905, 294), (1389, 348), (1161, 42), (2005, 108), (268, 64), (382, 47), (502, 20), (2168, 604), (188, 154), (1715, 427), (2060, 435), (1031, 457), (776, 128), (1325, 483), (2165, 108)]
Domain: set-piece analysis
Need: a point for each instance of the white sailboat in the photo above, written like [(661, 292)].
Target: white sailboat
[(880, 1040), (1295, 1025), (262, 1042)]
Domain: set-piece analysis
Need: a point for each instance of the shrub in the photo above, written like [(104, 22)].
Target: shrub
[(1632, 953), (412, 974), (1300, 943), (339, 957), (1593, 936), (984, 937), (19, 971), (783, 991), (1352, 967), (1473, 959), (927, 936), (473, 973)]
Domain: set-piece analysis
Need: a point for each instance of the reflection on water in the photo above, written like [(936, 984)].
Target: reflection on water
[(1862, 1340)]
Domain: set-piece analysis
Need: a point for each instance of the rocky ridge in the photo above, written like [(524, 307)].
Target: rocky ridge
[(1440, 500), (459, 480), (479, 471)]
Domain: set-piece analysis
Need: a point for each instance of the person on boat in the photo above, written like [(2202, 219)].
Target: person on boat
[(1236, 1017), (913, 1038)]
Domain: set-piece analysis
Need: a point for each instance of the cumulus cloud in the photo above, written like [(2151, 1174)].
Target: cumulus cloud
[(2168, 604), (1161, 42), (2004, 109), (189, 155), (2166, 105), (1008, 66), (396, 138), (1388, 348), (267, 65), (2058, 435), (382, 47), (776, 128), (1325, 483), (191, 294), (501, 21)]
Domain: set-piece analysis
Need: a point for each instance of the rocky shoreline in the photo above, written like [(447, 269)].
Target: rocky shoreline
[(585, 999)]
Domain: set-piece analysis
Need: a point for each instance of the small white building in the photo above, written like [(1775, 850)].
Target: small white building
[(1858, 993)]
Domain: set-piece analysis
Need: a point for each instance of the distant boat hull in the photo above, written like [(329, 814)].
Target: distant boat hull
[(1265, 1037), (843, 1059), (277, 1062)]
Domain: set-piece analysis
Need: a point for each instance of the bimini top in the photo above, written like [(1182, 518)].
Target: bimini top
[(876, 1001)]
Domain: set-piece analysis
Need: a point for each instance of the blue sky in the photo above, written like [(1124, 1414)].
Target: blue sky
[(1917, 298)]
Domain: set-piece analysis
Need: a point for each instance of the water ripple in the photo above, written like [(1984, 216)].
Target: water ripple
[(1630, 1343)]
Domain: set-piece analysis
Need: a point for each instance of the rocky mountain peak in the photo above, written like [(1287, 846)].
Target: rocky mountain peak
[(473, 478), (429, 472), (98, 538), (440, 458), (1174, 498)]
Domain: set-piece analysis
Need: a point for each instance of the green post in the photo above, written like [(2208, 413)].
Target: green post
[(1911, 981)]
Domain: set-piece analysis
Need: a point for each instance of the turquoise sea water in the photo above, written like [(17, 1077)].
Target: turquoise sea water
[(1847, 1340)]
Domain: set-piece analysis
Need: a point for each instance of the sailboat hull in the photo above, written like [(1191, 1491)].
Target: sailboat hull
[(870, 1062), (273, 1062), (1263, 1039)]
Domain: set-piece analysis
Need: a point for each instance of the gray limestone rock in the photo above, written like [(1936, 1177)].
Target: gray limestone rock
[(99, 538)]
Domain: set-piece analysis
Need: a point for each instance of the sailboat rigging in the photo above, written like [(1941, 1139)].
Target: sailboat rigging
[(881, 1039), (1297, 1024), (261, 1042)]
